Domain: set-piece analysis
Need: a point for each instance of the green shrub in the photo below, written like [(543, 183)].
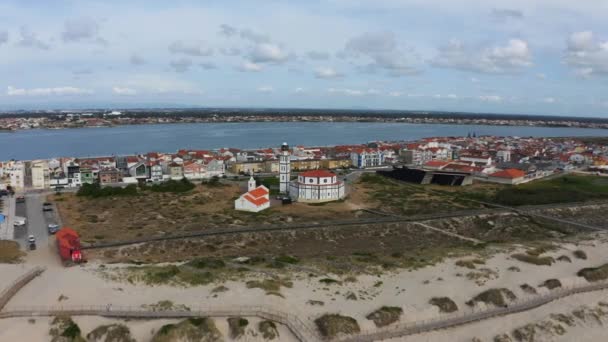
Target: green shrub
[(95, 190), (592, 274), (532, 259)]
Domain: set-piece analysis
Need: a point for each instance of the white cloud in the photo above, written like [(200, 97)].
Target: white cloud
[(82, 29), (268, 53), (587, 55), (181, 65), (395, 94), (490, 98), (30, 40), (299, 90), (512, 57), (327, 73), (541, 76), (265, 89), (383, 52), (448, 96), (549, 100), (124, 91), (249, 67), (160, 84), (352, 92), (195, 49), (474, 80), (57, 91)]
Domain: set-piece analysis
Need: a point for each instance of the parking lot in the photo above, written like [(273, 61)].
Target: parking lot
[(37, 220)]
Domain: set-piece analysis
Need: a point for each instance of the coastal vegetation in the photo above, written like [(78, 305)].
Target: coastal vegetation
[(569, 188), (386, 315), (191, 329), (110, 333), (10, 252), (333, 325), (497, 297)]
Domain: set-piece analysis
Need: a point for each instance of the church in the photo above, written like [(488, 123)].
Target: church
[(256, 199), (311, 186), (316, 186)]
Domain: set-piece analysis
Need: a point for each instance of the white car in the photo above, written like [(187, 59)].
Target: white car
[(31, 239)]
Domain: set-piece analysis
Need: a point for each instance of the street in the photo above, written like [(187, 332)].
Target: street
[(37, 221)]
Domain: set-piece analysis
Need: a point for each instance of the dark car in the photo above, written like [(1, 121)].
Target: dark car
[(53, 228), (31, 240), (4, 193), (47, 204)]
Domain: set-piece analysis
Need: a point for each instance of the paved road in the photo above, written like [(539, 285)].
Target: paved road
[(37, 220)]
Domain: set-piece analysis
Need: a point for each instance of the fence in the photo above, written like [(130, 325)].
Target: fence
[(300, 329), (453, 320), (18, 284)]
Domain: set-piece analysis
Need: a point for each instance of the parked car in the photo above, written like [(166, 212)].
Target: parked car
[(19, 221), (47, 204), (53, 228), (20, 199), (31, 240), (4, 193)]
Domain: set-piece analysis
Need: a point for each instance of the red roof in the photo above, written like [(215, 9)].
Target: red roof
[(436, 163), (258, 192), (317, 174), (256, 201), (509, 173)]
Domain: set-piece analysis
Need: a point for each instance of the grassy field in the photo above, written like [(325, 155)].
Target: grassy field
[(389, 195), (558, 190), (150, 213)]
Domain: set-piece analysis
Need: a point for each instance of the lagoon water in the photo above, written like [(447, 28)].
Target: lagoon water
[(84, 142)]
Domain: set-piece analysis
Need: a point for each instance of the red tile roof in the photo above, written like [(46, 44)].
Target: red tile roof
[(436, 163), (317, 174), (509, 173), (256, 201), (258, 192)]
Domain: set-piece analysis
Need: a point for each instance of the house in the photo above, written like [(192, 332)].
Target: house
[(215, 168), (363, 158), (17, 176), (336, 163), (109, 175), (507, 176), (40, 175), (317, 186), (139, 171), (156, 172), (193, 170), (176, 171), (73, 175), (246, 167), (256, 199), (87, 175)]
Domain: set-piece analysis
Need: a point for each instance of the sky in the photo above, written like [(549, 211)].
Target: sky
[(502, 56)]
